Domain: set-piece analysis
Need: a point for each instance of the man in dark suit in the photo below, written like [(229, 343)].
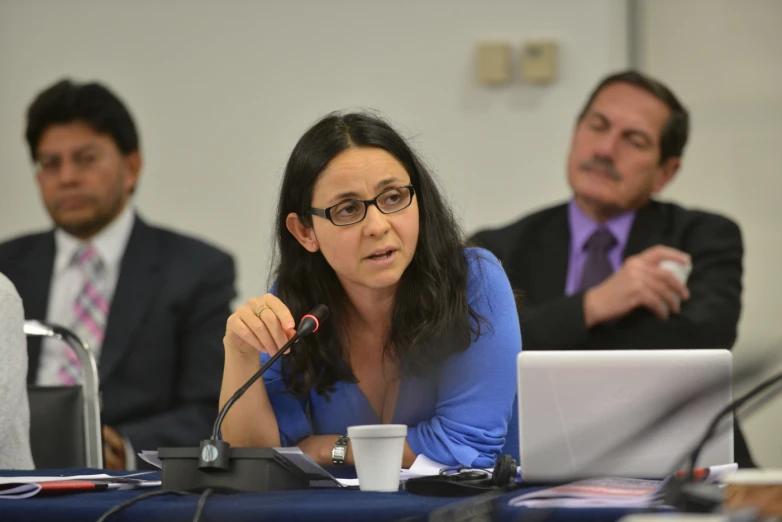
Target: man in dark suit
[(593, 270), (152, 304)]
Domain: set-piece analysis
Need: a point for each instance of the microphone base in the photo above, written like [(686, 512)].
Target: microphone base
[(693, 497), (248, 470)]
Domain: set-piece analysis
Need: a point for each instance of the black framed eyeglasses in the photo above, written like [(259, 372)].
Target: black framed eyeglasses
[(354, 210)]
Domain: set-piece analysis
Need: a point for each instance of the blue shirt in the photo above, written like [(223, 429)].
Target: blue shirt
[(460, 414)]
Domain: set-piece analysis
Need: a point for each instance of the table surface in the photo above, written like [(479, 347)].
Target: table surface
[(294, 505)]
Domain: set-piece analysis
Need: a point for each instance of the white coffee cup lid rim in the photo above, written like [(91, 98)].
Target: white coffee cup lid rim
[(753, 476), (675, 265), (377, 431)]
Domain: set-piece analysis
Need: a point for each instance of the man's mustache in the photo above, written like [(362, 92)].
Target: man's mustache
[(604, 165)]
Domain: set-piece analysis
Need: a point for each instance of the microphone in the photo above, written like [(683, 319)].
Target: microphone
[(689, 496), (214, 464), (738, 403), (481, 506), (309, 324), (678, 493)]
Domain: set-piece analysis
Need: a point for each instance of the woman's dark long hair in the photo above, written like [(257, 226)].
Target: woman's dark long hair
[(431, 316)]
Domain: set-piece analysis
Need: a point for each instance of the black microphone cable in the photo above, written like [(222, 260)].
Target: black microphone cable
[(685, 493)]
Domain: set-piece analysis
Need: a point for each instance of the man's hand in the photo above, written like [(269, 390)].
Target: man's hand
[(113, 449), (639, 282)]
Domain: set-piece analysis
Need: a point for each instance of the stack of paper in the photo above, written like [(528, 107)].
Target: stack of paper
[(605, 492), (26, 487), (611, 491)]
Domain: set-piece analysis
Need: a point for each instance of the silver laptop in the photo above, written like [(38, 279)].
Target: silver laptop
[(629, 413)]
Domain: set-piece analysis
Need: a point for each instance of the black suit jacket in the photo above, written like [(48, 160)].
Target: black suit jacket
[(161, 361), (535, 253)]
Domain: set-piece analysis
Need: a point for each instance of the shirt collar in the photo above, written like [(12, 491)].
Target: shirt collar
[(582, 226), (109, 242)]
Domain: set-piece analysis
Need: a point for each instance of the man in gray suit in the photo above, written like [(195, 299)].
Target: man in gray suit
[(151, 303)]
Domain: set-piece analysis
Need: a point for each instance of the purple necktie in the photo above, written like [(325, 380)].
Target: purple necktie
[(597, 267)]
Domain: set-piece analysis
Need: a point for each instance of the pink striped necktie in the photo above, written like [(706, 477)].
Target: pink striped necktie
[(91, 310)]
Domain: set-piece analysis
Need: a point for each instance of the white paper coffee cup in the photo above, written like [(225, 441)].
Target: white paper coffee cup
[(377, 452), (680, 270)]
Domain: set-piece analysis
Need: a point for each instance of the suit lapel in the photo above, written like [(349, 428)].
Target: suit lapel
[(549, 258), (33, 286), (139, 283), (647, 230)]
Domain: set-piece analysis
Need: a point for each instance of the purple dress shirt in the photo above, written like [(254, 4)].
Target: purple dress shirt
[(581, 228)]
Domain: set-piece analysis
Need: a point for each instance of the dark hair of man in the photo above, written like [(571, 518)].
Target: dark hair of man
[(431, 316), (676, 130), (90, 103)]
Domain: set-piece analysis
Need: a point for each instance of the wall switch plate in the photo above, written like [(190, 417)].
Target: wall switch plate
[(493, 63), (539, 61)]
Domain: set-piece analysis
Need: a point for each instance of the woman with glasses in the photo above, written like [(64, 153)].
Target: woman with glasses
[(422, 331)]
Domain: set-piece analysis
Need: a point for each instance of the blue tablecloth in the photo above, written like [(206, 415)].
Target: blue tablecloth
[(299, 505)]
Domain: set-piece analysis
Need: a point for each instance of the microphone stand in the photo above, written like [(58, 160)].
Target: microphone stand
[(215, 451), (689, 496), (215, 465)]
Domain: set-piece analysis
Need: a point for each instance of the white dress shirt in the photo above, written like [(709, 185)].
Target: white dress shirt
[(67, 282)]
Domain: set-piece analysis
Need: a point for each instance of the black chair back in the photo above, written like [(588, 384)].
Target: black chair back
[(65, 427), (57, 426)]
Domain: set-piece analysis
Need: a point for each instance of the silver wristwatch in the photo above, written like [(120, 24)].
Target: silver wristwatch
[(339, 451)]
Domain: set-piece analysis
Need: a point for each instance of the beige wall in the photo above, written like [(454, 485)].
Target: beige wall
[(724, 59), (223, 89)]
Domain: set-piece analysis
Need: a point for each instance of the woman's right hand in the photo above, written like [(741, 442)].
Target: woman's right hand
[(249, 332)]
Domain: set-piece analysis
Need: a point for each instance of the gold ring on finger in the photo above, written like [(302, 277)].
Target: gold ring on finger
[(260, 309)]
